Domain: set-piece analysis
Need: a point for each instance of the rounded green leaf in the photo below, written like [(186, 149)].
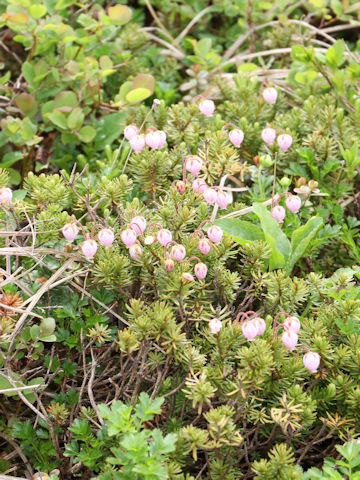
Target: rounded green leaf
[(120, 14), (75, 119), (37, 10), (87, 133), (25, 102), (138, 95)]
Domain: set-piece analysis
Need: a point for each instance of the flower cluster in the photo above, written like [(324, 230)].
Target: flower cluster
[(89, 246), (289, 337), (293, 203), (154, 139), (212, 195)]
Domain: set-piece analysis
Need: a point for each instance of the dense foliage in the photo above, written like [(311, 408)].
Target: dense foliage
[(179, 237)]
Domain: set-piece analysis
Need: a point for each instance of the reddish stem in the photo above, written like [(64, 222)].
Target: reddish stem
[(82, 228), (300, 347), (228, 125), (93, 229), (154, 223)]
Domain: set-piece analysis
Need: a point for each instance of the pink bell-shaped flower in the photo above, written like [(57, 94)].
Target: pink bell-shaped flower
[(70, 231), (200, 270), (215, 234), (199, 185), (207, 107), (222, 199), (149, 240), (249, 330), (204, 246), (289, 339), (5, 195), (215, 325), (89, 248), (268, 135), (169, 265), (236, 137), (155, 139), (138, 224), (284, 141), (193, 164), (270, 95), (311, 361), (137, 143), (106, 237), (135, 251), (164, 236), (130, 131), (260, 325), (210, 196), (128, 237), (178, 252), (293, 203), (292, 323), (278, 212)]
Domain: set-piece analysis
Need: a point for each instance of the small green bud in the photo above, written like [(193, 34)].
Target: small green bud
[(266, 161), (285, 182)]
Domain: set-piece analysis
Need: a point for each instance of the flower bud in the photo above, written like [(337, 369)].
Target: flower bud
[(268, 135), (193, 164), (204, 246), (135, 251), (5, 195), (236, 137), (222, 199), (128, 237), (164, 236), (289, 339), (106, 237), (180, 185), (169, 265), (249, 330), (266, 161), (155, 139), (215, 326), (138, 224), (210, 196), (313, 184), (278, 213), (70, 231), (260, 325), (149, 240), (137, 143), (285, 181), (156, 102), (311, 361), (292, 323), (178, 252), (284, 141), (200, 270), (215, 234), (270, 95), (207, 107), (130, 131), (187, 277), (89, 248), (199, 185), (293, 203), (300, 182)]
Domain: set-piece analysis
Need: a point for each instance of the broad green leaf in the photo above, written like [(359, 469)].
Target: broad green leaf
[(247, 67), (202, 48), (241, 231), (65, 101), (59, 119), (301, 239), (37, 10), (120, 14), (143, 80), (75, 119), (87, 133), (9, 158), (108, 128), (26, 102), (28, 72), (28, 129), (146, 408), (138, 95), (62, 4), (274, 236)]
